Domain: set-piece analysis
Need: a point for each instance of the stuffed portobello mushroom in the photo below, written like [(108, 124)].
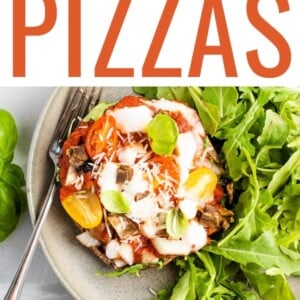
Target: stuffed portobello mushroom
[(142, 182)]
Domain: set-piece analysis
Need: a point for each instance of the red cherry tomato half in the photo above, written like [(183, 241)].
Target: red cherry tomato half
[(102, 136)]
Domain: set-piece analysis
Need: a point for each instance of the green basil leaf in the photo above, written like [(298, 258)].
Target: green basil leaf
[(8, 215), (176, 223), (20, 200), (97, 111), (163, 134), (8, 135), (115, 202), (13, 175)]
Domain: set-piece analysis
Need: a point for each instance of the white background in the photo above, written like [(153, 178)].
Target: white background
[(47, 55)]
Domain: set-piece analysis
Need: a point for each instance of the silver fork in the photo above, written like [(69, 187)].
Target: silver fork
[(81, 102)]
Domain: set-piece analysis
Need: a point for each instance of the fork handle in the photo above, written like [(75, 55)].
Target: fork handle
[(16, 285)]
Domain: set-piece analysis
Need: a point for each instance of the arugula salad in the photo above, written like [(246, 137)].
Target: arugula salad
[(256, 132)]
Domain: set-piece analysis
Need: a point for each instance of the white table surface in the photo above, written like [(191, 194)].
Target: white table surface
[(25, 104)]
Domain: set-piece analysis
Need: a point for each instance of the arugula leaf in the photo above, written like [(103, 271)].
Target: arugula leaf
[(133, 270), (149, 92), (283, 174), (130, 270), (225, 98), (275, 131), (208, 112), (181, 289), (207, 276), (288, 216), (268, 287), (262, 251)]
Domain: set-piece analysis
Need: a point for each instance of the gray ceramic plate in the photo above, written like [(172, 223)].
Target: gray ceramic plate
[(75, 265)]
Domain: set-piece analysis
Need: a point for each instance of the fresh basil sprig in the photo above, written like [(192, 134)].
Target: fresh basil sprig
[(12, 195)]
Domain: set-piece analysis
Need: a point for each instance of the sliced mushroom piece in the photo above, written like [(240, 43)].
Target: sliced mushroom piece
[(216, 218), (227, 217), (124, 174), (210, 219), (140, 196), (229, 190), (77, 155), (124, 227)]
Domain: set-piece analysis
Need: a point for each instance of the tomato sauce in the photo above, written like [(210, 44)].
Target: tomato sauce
[(168, 164), (218, 193), (182, 123), (142, 247), (66, 191), (130, 101), (76, 138)]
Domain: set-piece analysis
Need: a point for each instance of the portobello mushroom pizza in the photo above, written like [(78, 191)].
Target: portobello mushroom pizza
[(142, 182)]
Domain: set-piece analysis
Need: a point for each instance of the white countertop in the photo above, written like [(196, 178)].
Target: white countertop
[(25, 104)]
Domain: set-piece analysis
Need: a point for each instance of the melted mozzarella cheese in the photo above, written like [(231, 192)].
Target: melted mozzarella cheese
[(87, 240), (107, 179), (138, 182), (144, 209), (148, 228), (186, 151), (195, 236), (132, 119), (189, 113), (112, 249), (189, 207), (130, 153), (171, 247), (126, 253)]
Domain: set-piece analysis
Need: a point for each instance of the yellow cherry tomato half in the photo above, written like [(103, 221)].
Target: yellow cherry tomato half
[(84, 208), (201, 182)]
